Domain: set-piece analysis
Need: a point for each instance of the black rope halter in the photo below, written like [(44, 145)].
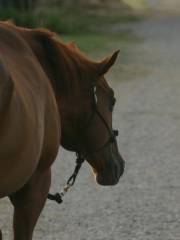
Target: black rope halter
[(112, 133), (70, 182), (58, 197)]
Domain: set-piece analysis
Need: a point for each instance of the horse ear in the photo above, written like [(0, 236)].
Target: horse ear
[(107, 63)]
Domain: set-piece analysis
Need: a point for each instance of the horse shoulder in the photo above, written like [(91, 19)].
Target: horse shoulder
[(29, 124)]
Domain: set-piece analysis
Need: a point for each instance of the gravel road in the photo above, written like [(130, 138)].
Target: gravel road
[(145, 205)]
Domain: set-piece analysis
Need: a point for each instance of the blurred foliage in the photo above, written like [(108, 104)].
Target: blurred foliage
[(96, 29), (25, 5), (69, 20), (21, 5)]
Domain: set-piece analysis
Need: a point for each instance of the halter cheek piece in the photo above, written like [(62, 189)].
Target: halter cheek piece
[(112, 133), (80, 158)]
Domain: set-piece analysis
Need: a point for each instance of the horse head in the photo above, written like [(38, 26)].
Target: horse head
[(87, 121), (85, 103)]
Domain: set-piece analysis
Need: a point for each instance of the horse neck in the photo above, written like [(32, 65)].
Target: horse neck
[(57, 62)]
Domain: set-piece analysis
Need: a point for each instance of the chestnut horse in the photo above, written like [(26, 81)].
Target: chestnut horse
[(50, 95)]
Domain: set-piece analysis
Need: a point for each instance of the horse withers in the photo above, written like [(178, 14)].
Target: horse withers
[(51, 94)]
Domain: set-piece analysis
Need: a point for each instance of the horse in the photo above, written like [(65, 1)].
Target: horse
[(51, 94)]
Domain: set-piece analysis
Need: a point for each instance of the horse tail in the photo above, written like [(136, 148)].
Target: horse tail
[(6, 89)]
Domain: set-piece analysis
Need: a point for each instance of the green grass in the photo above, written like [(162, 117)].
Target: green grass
[(89, 43), (98, 45)]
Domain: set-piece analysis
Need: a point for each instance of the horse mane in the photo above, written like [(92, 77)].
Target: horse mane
[(68, 68), (71, 68)]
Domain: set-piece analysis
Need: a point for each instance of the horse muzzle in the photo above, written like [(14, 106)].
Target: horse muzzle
[(111, 175)]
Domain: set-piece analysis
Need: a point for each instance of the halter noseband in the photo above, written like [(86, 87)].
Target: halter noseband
[(80, 158)]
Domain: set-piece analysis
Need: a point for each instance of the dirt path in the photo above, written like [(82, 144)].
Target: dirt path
[(146, 203)]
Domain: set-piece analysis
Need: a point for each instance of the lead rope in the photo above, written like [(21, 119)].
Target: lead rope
[(58, 197)]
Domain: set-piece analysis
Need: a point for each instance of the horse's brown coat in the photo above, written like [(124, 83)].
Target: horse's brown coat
[(24, 130), (45, 100)]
